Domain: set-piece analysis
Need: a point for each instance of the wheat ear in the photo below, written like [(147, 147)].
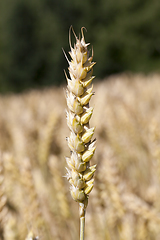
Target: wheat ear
[(78, 94)]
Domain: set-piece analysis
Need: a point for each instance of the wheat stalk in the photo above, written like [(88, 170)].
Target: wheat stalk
[(80, 173)]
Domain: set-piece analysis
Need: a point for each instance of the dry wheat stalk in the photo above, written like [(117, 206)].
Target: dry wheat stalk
[(80, 173)]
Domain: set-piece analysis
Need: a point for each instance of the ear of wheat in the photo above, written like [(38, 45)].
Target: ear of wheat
[(78, 94)]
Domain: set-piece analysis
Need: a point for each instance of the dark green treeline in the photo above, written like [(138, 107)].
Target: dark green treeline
[(125, 35)]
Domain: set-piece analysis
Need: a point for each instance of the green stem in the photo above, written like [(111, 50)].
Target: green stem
[(82, 225)]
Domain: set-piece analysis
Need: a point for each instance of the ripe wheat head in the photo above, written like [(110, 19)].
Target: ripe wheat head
[(78, 94)]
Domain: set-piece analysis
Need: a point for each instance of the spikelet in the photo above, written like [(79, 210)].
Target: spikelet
[(78, 94)]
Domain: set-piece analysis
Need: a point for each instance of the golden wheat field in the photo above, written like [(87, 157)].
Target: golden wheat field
[(34, 194)]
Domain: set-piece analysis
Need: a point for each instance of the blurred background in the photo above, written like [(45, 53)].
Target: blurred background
[(125, 36), (34, 196)]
